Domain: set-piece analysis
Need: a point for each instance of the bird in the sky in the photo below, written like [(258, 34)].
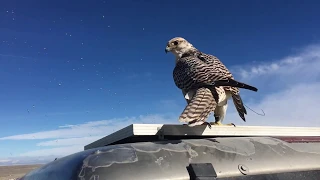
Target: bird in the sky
[(205, 83)]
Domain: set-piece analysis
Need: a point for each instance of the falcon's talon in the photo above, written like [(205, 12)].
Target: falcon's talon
[(231, 124)]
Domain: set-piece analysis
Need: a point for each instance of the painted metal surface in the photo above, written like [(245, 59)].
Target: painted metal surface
[(297, 175), (303, 139), (230, 156)]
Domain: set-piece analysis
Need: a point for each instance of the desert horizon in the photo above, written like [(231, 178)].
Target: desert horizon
[(13, 172)]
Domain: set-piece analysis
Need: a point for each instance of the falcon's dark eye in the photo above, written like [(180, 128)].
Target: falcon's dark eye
[(175, 43)]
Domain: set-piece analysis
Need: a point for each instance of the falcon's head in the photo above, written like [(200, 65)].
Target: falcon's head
[(178, 46)]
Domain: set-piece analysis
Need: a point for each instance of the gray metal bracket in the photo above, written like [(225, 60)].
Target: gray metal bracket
[(160, 134), (202, 171)]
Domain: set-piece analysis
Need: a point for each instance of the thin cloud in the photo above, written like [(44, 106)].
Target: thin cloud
[(93, 128), (56, 151), (288, 90), (68, 141), (304, 64), (4, 160), (22, 160), (296, 107)]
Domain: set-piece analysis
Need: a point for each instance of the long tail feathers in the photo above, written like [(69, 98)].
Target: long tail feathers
[(199, 108), (229, 82), (237, 101), (234, 83)]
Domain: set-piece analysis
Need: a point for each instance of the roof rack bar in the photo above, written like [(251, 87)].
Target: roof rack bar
[(155, 132)]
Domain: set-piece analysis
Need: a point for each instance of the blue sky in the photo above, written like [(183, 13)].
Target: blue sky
[(100, 65)]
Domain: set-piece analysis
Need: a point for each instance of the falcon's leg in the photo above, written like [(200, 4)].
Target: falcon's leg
[(219, 115)]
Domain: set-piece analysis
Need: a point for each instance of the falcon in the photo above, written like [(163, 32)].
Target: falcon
[(205, 83)]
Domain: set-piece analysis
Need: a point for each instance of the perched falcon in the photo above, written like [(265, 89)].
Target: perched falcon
[(205, 83)]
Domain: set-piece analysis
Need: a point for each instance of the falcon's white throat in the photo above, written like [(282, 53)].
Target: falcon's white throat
[(182, 48)]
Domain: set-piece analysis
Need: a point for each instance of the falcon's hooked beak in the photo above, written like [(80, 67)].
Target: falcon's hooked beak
[(167, 50)]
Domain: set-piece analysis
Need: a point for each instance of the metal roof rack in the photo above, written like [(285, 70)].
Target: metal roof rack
[(154, 132)]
